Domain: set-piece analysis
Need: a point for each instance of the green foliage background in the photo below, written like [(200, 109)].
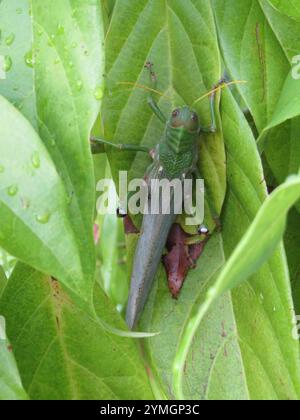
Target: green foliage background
[(229, 336)]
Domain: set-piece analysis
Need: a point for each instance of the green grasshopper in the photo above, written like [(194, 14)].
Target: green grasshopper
[(175, 157)]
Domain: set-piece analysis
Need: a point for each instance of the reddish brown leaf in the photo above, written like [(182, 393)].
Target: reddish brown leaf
[(180, 258), (129, 226)]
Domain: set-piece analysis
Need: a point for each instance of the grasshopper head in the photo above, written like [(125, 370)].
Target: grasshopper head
[(185, 117)]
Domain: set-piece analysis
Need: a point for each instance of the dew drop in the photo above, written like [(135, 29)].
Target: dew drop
[(35, 160), (7, 65), (43, 218), (79, 85), (71, 64), (74, 45), (40, 32), (13, 190), (2, 169), (98, 93), (60, 29), (9, 40), (29, 59)]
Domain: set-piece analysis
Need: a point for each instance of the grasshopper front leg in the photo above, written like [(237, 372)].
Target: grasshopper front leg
[(151, 101), (99, 145)]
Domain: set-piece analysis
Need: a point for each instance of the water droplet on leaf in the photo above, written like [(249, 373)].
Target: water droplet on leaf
[(13, 190), (29, 59), (7, 65), (9, 40), (98, 93), (79, 85), (35, 160), (43, 218), (60, 29), (2, 169)]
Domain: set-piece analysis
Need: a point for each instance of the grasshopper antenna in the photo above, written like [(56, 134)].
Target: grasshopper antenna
[(221, 85)]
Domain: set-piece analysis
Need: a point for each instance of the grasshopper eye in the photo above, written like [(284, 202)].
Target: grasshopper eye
[(175, 113)]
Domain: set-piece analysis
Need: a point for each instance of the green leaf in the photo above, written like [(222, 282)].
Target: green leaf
[(285, 29), (283, 139), (287, 107), (3, 280), (214, 365), (265, 303), (270, 90), (61, 351), (290, 8), (56, 81), (184, 74), (269, 225), (10, 383), (292, 246), (251, 52), (34, 209)]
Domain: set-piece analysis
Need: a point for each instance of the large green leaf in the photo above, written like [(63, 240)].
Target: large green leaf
[(34, 206), (61, 351), (186, 68), (270, 91), (56, 80), (10, 383), (262, 307), (251, 52)]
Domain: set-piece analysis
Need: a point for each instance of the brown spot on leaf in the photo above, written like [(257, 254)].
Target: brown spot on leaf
[(180, 258)]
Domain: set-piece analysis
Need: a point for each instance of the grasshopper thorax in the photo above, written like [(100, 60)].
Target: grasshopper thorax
[(182, 131)]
